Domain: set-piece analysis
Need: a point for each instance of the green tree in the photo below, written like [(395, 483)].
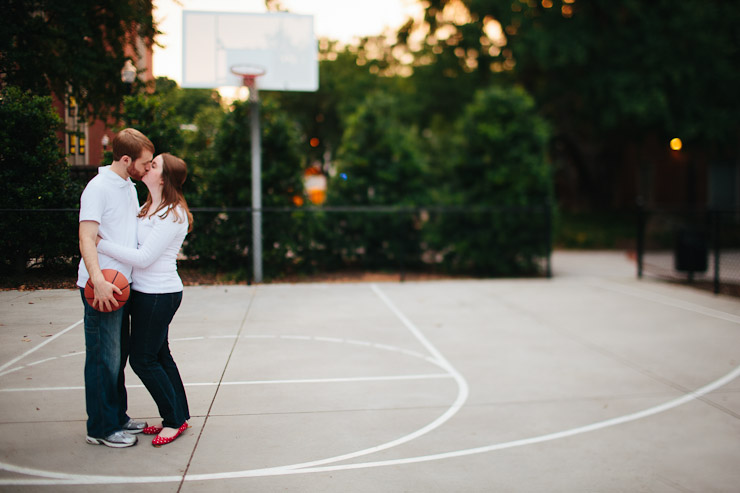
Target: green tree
[(379, 160), (499, 171), (379, 163), (154, 116), (182, 121), (34, 175), (347, 75), (76, 48), (198, 147), (224, 239), (186, 103), (608, 75)]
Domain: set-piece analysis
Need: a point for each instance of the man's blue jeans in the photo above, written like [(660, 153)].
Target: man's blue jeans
[(106, 351), (151, 360)]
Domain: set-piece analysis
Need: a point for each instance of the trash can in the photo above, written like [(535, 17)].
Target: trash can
[(692, 251)]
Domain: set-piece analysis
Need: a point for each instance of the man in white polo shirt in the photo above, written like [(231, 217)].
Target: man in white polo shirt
[(108, 208)]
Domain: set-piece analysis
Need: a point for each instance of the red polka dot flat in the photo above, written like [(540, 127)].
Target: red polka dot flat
[(159, 441), (151, 430)]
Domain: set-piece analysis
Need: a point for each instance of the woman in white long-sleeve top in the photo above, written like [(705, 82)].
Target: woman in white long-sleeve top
[(156, 291)]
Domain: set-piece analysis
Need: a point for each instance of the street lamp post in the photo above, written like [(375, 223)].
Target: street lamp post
[(128, 74)]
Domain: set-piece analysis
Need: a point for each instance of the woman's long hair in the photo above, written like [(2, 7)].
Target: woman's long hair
[(174, 172)]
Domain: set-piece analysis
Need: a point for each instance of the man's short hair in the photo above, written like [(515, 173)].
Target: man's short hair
[(130, 142)]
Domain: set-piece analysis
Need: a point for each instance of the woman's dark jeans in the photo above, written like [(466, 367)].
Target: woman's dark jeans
[(150, 356)]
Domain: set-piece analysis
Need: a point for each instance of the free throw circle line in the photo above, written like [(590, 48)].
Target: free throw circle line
[(438, 359), (284, 470)]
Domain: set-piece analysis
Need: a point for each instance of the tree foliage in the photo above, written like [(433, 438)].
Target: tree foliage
[(498, 167), (77, 48), (628, 66), (224, 239), (347, 75), (608, 75), (186, 103), (500, 153), (34, 175), (155, 117), (379, 162)]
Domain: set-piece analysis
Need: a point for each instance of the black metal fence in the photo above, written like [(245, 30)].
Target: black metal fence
[(480, 241), (701, 247)]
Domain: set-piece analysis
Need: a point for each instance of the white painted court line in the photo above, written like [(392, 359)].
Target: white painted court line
[(527, 441), (40, 345), (463, 392), (316, 466), (385, 378), (436, 358), (34, 363), (337, 340), (50, 389), (389, 378), (664, 300), (12, 370), (42, 361), (284, 470)]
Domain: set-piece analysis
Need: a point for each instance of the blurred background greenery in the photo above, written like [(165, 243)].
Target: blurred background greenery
[(473, 141)]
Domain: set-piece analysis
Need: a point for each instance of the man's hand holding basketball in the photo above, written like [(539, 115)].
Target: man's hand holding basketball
[(103, 289), (104, 299)]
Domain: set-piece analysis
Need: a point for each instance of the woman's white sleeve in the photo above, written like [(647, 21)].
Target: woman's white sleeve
[(162, 234)]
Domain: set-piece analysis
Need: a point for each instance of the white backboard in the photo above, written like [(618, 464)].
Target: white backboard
[(283, 44)]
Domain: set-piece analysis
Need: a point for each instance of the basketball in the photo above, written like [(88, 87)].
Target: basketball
[(115, 277)]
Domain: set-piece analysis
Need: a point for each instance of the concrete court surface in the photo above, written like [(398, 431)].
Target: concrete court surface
[(592, 381)]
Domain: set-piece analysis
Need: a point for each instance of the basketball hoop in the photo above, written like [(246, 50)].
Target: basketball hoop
[(249, 73)]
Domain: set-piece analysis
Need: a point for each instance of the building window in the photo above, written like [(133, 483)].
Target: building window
[(71, 107), (76, 129)]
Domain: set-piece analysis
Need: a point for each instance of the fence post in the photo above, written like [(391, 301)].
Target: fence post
[(548, 237), (716, 245), (640, 235), (401, 245)]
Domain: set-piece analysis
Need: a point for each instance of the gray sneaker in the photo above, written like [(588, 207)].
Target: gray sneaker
[(133, 427), (119, 439)]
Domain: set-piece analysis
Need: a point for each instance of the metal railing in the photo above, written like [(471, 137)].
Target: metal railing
[(484, 241), (701, 247), (376, 238)]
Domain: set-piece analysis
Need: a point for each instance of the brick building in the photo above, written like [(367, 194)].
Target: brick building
[(84, 142)]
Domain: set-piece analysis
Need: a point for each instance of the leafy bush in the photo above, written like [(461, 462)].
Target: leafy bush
[(155, 117), (223, 239), (595, 230), (34, 175), (498, 165), (379, 163)]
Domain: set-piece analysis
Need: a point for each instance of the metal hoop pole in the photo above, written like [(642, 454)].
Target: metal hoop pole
[(250, 81), (254, 114)]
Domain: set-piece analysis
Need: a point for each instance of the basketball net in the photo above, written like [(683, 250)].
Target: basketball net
[(249, 74), (250, 82)]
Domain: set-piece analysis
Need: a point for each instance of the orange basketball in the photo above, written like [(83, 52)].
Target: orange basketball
[(115, 277)]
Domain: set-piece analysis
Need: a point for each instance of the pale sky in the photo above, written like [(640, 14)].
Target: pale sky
[(336, 19)]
